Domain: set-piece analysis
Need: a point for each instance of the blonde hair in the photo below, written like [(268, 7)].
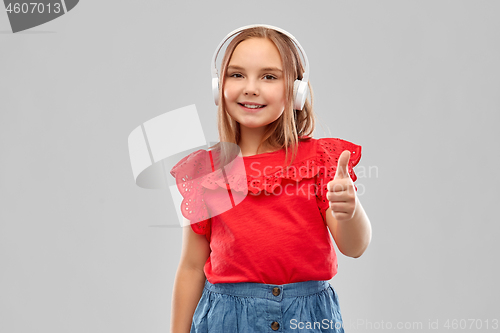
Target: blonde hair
[(292, 126)]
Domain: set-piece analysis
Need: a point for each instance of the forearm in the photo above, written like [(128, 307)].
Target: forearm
[(354, 236), (188, 288)]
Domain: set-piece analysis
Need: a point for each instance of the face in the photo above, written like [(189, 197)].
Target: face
[(254, 89)]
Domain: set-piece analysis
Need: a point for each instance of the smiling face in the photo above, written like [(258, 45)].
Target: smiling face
[(254, 88)]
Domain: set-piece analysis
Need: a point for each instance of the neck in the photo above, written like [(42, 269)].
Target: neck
[(250, 140)]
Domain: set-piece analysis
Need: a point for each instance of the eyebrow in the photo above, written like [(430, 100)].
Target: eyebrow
[(276, 69)]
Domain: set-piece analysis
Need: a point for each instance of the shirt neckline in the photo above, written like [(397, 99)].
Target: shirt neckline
[(273, 152)]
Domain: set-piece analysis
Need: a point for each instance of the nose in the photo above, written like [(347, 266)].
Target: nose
[(251, 88)]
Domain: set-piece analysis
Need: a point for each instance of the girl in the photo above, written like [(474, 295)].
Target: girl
[(264, 264)]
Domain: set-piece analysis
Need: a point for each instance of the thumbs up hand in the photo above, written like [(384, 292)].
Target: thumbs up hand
[(341, 192)]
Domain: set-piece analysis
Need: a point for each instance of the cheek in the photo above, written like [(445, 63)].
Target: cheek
[(278, 94), (229, 93)]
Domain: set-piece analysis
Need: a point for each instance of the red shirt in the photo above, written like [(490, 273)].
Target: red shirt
[(277, 234)]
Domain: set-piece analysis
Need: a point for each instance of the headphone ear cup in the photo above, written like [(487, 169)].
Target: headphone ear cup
[(296, 85), (300, 92), (215, 89)]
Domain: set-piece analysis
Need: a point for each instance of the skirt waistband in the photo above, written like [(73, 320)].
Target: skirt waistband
[(268, 291)]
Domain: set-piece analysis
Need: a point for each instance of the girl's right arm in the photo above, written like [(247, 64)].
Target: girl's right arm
[(189, 279)]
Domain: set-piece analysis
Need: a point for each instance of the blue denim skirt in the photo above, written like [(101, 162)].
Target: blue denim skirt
[(309, 306)]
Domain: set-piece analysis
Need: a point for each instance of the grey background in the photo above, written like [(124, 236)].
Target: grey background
[(415, 83)]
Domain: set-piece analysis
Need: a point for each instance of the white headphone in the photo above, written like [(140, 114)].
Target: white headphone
[(300, 87)]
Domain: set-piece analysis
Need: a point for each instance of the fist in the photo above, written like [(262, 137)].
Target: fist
[(341, 193)]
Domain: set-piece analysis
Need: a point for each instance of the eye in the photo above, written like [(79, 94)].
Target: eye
[(270, 77), (236, 75)]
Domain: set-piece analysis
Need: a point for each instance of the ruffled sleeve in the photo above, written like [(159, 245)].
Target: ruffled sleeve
[(189, 173), (328, 152)]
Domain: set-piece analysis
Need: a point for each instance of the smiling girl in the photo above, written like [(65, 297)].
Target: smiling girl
[(264, 265)]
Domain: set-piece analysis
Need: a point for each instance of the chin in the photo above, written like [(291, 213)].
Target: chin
[(252, 125)]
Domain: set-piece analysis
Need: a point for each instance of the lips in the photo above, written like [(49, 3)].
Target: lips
[(252, 106)]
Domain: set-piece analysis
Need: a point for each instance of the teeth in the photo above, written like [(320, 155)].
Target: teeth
[(253, 106)]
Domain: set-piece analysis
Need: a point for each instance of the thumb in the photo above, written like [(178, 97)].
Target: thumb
[(342, 171)]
